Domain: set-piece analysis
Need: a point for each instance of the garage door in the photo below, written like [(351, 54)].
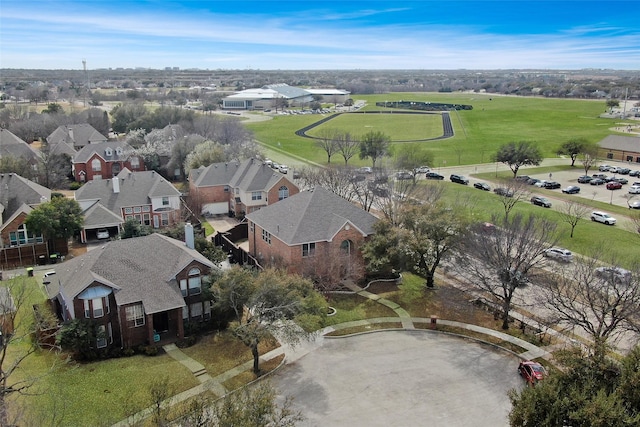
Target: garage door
[(215, 208)]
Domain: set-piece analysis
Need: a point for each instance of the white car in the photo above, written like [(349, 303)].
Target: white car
[(602, 217), (634, 189), (560, 254), (283, 169), (422, 169), (540, 183), (102, 233)]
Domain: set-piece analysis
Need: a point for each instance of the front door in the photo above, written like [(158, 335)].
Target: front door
[(161, 322)]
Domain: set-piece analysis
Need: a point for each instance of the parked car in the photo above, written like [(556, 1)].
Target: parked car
[(459, 179), (584, 179), (500, 191), (283, 169), (560, 254), (541, 201), (602, 217), (552, 185), (274, 165), (614, 274), (634, 189), (482, 186), (572, 189), (422, 169), (619, 179), (365, 169), (531, 371), (624, 171), (614, 185), (604, 168), (434, 175), (600, 175), (613, 169), (533, 181), (634, 173), (596, 181), (404, 175), (634, 205), (524, 178), (102, 233), (540, 183)]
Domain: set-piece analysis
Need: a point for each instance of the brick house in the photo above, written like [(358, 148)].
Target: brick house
[(18, 197), (140, 291), (315, 233), (621, 148), (105, 160), (144, 196), (237, 188)]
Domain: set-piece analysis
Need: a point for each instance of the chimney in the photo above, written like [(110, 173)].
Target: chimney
[(188, 236), (71, 135), (116, 184)]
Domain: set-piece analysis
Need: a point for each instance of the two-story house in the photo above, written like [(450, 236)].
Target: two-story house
[(105, 160), (315, 233), (237, 188), (143, 196), (18, 197), (140, 291), (12, 146)]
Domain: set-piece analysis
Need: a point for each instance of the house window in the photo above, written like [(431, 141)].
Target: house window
[(629, 158), (21, 237), (101, 342), (146, 208), (137, 209), (266, 236), (196, 310), (96, 166), (165, 219), (135, 315), (135, 162), (256, 195), (195, 282), (251, 227), (283, 192), (108, 152), (95, 307), (165, 201), (308, 249), (346, 246), (119, 151), (609, 155), (138, 218), (128, 210), (185, 312), (226, 188), (183, 287), (146, 219)]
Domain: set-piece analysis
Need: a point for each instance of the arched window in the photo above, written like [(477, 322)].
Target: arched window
[(346, 247), (283, 192), (115, 169), (96, 166), (192, 285)]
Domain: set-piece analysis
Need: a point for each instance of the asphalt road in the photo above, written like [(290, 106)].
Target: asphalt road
[(401, 378)]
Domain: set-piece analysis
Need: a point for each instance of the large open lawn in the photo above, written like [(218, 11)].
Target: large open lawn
[(493, 121)]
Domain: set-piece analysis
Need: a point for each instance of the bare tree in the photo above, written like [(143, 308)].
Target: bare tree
[(603, 302), (328, 142), (347, 146), (338, 180), (510, 192), (588, 160), (572, 212), (502, 259)]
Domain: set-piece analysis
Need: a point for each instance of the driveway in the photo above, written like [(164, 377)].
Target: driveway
[(401, 378)]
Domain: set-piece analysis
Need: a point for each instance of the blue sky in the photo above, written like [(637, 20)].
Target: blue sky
[(319, 34)]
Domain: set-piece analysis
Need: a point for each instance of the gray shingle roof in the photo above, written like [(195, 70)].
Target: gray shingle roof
[(311, 216), (136, 189), (99, 216), (140, 270), (16, 191), (250, 175), (100, 149), (619, 142), (76, 136), (12, 146)]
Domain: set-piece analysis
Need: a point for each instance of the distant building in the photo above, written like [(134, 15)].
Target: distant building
[(622, 148), (275, 95)]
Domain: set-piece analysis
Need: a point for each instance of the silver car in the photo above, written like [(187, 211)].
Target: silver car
[(559, 254)]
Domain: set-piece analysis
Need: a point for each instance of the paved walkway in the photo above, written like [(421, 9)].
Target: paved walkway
[(293, 353)]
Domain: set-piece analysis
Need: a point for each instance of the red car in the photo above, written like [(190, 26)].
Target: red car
[(532, 372), (613, 185)]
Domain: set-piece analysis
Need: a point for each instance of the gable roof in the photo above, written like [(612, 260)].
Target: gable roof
[(101, 149), (620, 142), (16, 191), (76, 136), (135, 189), (311, 216), (250, 175), (97, 215), (141, 269), (12, 146)]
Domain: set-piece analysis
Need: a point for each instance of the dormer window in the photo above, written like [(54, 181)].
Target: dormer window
[(108, 151), (119, 151)]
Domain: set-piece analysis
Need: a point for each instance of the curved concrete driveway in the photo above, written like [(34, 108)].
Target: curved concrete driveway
[(401, 378)]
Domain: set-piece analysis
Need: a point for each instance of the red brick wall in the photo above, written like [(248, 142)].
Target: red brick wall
[(272, 194), (106, 170)]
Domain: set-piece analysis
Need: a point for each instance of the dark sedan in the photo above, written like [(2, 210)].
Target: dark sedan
[(482, 186), (585, 179), (597, 181), (541, 201), (552, 185), (434, 175), (572, 189)]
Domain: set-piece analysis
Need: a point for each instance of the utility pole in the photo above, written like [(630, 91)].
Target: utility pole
[(86, 75)]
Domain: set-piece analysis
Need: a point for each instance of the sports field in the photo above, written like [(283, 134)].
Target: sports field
[(493, 121)]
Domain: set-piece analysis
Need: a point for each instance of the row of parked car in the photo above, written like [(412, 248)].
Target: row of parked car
[(619, 169)]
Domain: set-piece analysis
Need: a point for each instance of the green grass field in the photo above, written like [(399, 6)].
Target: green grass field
[(493, 121)]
